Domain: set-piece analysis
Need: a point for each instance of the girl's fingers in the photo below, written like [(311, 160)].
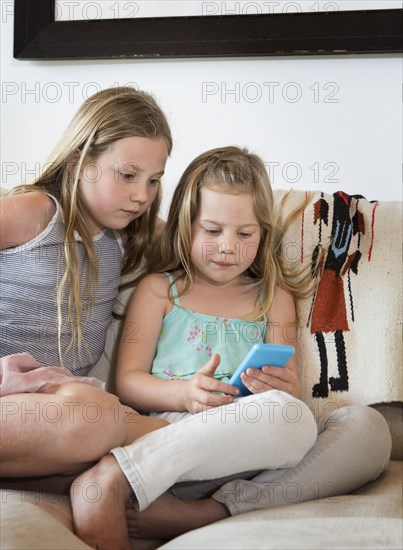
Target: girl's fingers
[(257, 380), (214, 400), (210, 401), (255, 385), (278, 372), (270, 375), (211, 384), (211, 365)]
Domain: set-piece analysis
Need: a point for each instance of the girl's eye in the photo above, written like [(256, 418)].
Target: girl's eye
[(212, 231), (154, 183), (127, 176), (244, 235)]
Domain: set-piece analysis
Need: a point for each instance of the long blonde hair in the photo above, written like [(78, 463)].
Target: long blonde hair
[(105, 117), (232, 169)]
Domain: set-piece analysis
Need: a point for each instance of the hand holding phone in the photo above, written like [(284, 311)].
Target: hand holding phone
[(258, 356)]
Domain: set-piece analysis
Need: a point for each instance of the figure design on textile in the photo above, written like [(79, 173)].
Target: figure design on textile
[(329, 309)]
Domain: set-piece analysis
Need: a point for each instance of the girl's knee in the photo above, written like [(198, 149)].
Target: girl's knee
[(365, 430), (91, 401), (360, 419), (79, 391), (93, 416), (373, 424)]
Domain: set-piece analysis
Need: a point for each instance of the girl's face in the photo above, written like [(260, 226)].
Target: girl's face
[(226, 235), (120, 185)]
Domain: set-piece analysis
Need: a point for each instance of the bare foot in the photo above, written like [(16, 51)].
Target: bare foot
[(98, 498), (167, 517)]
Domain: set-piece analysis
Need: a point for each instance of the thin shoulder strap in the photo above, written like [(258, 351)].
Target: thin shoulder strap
[(174, 290), (261, 302)]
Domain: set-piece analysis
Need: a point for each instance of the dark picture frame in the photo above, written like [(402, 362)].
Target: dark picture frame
[(38, 36)]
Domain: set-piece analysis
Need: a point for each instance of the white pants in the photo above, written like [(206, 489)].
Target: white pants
[(353, 448), (270, 430)]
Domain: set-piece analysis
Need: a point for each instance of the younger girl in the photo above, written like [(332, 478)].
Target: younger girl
[(223, 287), (221, 284)]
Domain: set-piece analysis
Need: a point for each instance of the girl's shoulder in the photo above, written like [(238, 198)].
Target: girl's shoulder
[(151, 295), (283, 303), (159, 226), (24, 216), (156, 284), (161, 286)]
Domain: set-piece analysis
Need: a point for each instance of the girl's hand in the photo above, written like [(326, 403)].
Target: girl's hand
[(272, 378), (197, 393)]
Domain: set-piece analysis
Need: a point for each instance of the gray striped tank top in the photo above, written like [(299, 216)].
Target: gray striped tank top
[(29, 277)]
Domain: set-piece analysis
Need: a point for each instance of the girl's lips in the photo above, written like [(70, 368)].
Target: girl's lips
[(130, 212), (223, 264)]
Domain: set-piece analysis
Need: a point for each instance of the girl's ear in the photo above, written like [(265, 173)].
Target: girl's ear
[(73, 159)]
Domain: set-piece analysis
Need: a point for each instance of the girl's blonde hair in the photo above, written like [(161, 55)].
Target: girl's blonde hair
[(105, 117), (233, 170)]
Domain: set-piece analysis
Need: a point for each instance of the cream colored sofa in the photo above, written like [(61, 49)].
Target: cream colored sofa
[(370, 517)]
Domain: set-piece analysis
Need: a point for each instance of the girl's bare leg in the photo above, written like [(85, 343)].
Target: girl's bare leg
[(98, 499), (168, 517), (64, 430)]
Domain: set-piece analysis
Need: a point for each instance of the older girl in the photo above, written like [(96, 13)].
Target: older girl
[(65, 241)]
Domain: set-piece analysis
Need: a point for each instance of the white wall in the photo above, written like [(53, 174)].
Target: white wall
[(326, 123)]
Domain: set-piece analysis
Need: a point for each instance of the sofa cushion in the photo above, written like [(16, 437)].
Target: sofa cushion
[(42, 521), (23, 512), (367, 518), (255, 534)]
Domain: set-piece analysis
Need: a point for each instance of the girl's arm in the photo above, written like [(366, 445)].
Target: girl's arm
[(138, 342), (281, 329), (23, 217), (134, 383)]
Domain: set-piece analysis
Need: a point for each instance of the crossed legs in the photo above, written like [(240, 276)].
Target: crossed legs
[(64, 429), (353, 448), (270, 429)]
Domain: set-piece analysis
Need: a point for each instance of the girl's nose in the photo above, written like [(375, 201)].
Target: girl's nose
[(227, 247), (139, 193)]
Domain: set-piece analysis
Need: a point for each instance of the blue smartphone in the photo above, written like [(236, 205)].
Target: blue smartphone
[(261, 354)]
